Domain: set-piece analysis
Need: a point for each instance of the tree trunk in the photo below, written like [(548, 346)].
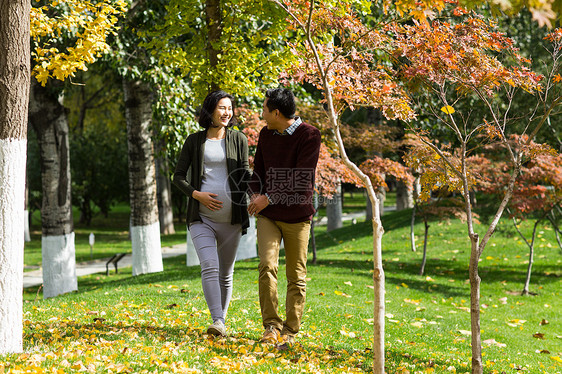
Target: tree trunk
[(26, 233), (379, 282), (164, 190), (552, 219), (368, 210), (412, 232), (381, 197), (312, 235), (14, 91), (404, 196), (531, 246), (476, 344), (48, 117), (313, 241), (334, 210), (213, 20), (145, 228), (425, 235)]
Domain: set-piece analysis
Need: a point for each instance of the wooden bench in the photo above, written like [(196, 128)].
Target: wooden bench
[(114, 260)]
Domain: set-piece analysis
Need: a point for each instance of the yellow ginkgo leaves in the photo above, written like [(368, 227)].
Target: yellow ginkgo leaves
[(78, 23), (447, 109)]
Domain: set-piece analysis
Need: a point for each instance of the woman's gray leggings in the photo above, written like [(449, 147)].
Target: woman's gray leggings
[(216, 244)]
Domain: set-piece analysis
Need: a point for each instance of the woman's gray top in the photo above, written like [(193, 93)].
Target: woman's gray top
[(215, 180)]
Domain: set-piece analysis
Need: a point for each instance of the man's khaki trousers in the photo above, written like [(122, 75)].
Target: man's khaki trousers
[(295, 238)]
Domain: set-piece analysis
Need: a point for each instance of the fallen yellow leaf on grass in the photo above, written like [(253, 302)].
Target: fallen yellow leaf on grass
[(417, 324), (339, 293), (494, 342), (465, 332), (556, 358)]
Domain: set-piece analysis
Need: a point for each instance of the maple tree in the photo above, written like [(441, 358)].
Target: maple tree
[(337, 55), (544, 12), (537, 193), (472, 59)]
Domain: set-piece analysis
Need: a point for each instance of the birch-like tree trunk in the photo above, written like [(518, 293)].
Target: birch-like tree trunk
[(164, 189), (424, 257), (145, 228), (48, 118), (14, 94), (531, 245)]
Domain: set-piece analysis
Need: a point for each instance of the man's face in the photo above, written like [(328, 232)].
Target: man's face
[(267, 115)]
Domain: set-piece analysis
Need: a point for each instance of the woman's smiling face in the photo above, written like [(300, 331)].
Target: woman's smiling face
[(223, 113)]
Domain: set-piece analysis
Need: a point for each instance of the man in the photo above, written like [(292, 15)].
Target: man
[(281, 191)]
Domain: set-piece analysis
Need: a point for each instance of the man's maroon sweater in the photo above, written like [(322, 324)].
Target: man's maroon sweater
[(284, 168)]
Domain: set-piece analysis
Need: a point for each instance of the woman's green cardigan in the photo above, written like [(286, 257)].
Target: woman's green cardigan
[(189, 173)]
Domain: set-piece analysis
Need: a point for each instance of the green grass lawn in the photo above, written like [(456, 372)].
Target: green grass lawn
[(111, 237), (156, 322)]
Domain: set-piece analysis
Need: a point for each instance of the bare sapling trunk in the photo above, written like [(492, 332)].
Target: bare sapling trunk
[(476, 342), (531, 245), (14, 94), (425, 235), (412, 232), (378, 271), (378, 230), (552, 219)]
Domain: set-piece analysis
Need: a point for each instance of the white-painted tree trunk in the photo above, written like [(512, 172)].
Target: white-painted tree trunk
[(26, 234), (12, 186), (145, 226), (14, 99), (147, 249), (334, 211), (48, 118), (59, 253)]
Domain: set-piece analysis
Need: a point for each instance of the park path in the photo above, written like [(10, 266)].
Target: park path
[(35, 277)]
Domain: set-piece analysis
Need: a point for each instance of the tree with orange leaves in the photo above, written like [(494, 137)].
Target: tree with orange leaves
[(472, 60)]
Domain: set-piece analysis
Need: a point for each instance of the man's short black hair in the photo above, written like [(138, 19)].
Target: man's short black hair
[(282, 99), (210, 104)]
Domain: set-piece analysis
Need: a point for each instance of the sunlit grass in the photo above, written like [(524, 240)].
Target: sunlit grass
[(156, 322)]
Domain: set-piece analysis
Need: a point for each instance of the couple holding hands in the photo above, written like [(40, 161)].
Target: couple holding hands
[(213, 172)]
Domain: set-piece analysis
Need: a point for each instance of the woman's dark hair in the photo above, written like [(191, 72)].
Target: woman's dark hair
[(282, 99), (210, 104)]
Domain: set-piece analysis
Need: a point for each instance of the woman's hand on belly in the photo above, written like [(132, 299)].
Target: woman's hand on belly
[(208, 200)]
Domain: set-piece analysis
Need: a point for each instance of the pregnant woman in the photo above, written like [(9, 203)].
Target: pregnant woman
[(217, 161)]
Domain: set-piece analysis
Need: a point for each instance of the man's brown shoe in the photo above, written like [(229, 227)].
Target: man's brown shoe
[(271, 335), (287, 342)]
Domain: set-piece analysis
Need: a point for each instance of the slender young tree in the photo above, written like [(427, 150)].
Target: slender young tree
[(473, 60), (14, 91), (343, 70)]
